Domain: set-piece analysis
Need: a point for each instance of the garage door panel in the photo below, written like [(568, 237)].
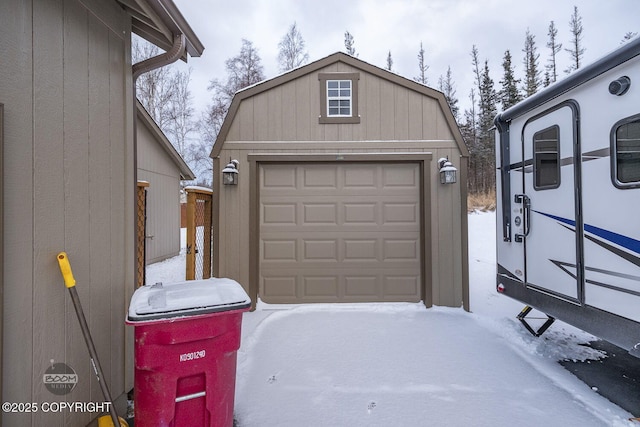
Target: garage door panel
[(280, 250), (361, 250), (318, 176), (399, 175), (278, 177), (279, 213), (320, 250), (400, 285), (406, 213), (320, 213), (279, 287), (360, 177), (395, 249), (345, 232), (360, 213), (320, 286), (362, 286)]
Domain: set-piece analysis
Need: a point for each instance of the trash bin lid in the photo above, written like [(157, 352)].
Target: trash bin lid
[(189, 298)]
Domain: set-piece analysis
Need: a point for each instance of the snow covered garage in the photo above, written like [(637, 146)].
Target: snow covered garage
[(338, 194)]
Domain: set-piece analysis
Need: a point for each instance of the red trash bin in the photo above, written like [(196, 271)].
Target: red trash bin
[(186, 338)]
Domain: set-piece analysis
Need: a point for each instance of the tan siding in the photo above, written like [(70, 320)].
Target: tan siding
[(17, 92), (387, 111), (289, 112), (372, 108), (67, 163), (401, 114), (122, 188), (304, 110), (48, 193), (416, 116), (76, 150), (163, 209)]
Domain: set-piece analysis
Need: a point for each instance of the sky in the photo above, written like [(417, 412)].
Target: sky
[(402, 364), (448, 29)]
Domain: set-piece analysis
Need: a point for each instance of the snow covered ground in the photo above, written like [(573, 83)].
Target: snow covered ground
[(405, 365)]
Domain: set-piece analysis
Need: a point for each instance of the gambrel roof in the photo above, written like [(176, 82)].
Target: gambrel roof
[(323, 63)]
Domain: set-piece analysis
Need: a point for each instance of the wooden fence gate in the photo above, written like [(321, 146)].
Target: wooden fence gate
[(199, 235), (141, 218)]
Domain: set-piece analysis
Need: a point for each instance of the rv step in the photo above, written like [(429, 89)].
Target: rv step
[(536, 333)]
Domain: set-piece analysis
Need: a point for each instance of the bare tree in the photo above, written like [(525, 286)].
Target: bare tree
[(243, 70), (348, 43), (554, 47), (155, 88), (576, 51), (422, 68), (291, 49), (164, 93)]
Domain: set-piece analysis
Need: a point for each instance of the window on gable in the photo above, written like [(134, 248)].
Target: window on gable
[(625, 139), (339, 98)]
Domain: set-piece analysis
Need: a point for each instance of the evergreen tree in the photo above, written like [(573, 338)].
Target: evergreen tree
[(422, 68), (446, 86), (487, 113), (555, 47), (576, 51), (509, 94), (348, 43), (291, 51), (389, 62), (532, 73)]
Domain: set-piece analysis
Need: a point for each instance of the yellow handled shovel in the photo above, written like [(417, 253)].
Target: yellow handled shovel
[(112, 419)]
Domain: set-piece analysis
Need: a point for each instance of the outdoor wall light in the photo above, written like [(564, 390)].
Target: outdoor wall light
[(230, 173), (447, 171)]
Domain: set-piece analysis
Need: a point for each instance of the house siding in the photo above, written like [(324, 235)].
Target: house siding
[(68, 185), (163, 197)]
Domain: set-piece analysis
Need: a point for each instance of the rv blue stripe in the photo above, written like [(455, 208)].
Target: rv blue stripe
[(618, 239)]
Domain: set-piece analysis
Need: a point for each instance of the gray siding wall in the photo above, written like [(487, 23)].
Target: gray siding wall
[(68, 185), (163, 197)]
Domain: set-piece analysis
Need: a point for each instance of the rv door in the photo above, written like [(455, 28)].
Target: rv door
[(551, 202)]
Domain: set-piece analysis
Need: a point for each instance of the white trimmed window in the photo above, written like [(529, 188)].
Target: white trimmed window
[(339, 98)]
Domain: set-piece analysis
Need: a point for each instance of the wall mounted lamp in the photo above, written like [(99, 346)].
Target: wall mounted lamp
[(230, 173), (448, 172)]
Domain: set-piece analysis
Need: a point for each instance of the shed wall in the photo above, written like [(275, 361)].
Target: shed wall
[(231, 251), (163, 197), (68, 185), (388, 112)]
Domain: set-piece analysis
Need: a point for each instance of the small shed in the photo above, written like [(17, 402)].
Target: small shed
[(338, 195), (163, 168)]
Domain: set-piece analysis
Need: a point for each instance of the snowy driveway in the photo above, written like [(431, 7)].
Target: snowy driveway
[(402, 365)]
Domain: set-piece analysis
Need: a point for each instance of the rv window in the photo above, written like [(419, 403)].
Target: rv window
[(546, 158), (626, 143)]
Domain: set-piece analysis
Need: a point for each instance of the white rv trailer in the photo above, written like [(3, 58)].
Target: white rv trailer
[(568, 191)]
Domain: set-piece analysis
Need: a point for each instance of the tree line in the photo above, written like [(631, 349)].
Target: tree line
[(165, 94)]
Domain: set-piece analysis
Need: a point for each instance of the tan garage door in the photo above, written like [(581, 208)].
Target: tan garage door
[(340, 232)]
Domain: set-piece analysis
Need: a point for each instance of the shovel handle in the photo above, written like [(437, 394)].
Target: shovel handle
[(65, 269)]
